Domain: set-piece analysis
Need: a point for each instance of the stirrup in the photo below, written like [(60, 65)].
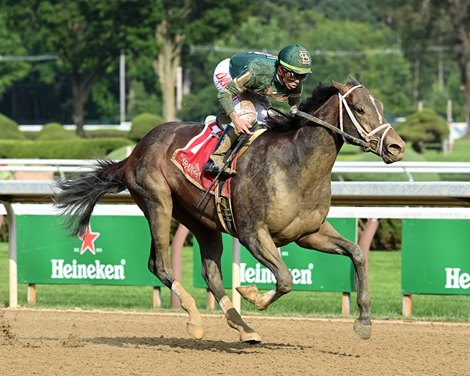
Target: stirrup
[(211, 168)]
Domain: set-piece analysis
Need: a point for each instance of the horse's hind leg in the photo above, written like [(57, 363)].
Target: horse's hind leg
[(210, 243), (159, 264), (328, 240), (157, 207)]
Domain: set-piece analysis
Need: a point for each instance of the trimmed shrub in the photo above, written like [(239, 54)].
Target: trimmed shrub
[(142, 124), (422, 127), (9, 129), (61, 149), (55, 131)]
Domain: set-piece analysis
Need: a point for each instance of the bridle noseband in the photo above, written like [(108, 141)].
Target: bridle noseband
[(360, 129)]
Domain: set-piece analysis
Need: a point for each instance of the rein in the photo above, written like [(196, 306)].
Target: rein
[(314, 119), (365, 141)]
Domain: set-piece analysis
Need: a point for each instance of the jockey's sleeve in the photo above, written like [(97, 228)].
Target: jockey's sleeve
[(232, 89)]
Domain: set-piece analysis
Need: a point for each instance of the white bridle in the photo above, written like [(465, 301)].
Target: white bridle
[(361, 130)]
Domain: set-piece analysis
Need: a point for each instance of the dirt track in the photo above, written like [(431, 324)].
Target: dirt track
[(42, 342)]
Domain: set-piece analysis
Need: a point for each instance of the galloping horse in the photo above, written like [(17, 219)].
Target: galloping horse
[(281, 194)]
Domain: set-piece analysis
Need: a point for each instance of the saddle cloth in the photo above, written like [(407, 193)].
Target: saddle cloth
[(192, 158)]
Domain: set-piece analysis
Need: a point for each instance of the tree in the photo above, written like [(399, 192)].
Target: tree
[(12, 67), (431, 29), (168, 60), (186, 22), (87, 36), (371, 54), (459, 12)]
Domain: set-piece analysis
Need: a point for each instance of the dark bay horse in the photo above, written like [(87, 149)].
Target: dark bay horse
[(281, 194)]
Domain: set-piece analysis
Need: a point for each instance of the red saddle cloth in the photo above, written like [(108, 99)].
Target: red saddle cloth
[(192, 158)]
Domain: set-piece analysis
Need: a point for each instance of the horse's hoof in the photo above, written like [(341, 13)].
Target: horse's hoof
[(248, 292), (251, 338), (362, 330), (195, 330), (247, 334)]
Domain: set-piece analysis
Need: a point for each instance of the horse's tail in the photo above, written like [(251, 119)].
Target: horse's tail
[(77, 198)]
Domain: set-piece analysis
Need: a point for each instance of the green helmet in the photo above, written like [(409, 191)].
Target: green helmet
[(295, 58)]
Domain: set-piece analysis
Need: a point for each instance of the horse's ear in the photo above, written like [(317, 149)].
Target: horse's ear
[(353, 81), (341, 88)]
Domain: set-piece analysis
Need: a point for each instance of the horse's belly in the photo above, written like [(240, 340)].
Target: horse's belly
[(295, 228)]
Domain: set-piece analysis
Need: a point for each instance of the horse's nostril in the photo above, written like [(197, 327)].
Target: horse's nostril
[(395, 149)]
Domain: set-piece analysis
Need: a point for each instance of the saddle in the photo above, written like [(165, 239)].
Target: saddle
[(190, 161)]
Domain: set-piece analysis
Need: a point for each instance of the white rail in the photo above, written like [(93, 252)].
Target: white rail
[(407, 168)]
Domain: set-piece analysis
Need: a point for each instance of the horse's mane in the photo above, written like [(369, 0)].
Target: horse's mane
[(320, 94)]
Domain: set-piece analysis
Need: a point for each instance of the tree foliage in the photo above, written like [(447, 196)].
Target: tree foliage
[(435, 37), (11, 47), (404, 51), (87, 37)]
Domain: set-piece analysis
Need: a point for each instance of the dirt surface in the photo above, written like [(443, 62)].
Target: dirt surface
[(47, 342)]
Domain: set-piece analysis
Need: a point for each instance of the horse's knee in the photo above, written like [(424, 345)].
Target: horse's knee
[(357, 256), (284, 283), (159, 272)]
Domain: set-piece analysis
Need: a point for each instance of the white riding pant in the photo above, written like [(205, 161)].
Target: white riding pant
[(247, 106)]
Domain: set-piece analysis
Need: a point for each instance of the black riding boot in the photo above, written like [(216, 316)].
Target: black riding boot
[(215, 164)]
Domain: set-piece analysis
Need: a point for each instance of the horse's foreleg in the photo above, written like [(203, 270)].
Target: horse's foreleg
[(265, 251), (211, 252), (328, 240)]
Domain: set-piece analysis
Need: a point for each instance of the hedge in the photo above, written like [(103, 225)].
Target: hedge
[(61, 149), (55, 131), (142, 124), (106, 133), (9, 129)]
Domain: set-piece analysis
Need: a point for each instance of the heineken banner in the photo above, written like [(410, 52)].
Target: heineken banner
[(114, 251), (311, 270), (436, 256)]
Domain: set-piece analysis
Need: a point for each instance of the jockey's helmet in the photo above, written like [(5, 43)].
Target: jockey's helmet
[(295, 58)]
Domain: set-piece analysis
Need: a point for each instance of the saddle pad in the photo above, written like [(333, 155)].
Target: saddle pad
[(192, 158)]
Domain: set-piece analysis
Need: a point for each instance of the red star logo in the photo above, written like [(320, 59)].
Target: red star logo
[(88, 241)]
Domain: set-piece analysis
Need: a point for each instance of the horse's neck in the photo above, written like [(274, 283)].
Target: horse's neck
[(320, 145)]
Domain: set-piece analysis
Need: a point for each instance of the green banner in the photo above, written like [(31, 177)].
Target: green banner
[(436, 256), (311, 270), (114, 251)]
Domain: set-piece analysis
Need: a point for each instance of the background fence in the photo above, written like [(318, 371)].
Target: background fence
[(446, 218)]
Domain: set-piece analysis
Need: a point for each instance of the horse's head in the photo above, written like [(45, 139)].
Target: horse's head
[(361, 115)]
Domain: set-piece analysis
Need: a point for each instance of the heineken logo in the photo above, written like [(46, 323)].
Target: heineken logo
[(260, 274), (88, 241), (96, 270), (457, 280)]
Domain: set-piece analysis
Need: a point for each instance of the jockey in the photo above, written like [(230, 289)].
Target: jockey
[(245, 82)]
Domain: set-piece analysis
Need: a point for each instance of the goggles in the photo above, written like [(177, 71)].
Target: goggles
[(292, 76)]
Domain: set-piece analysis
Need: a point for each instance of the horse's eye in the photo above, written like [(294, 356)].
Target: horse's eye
[(360, 110)]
